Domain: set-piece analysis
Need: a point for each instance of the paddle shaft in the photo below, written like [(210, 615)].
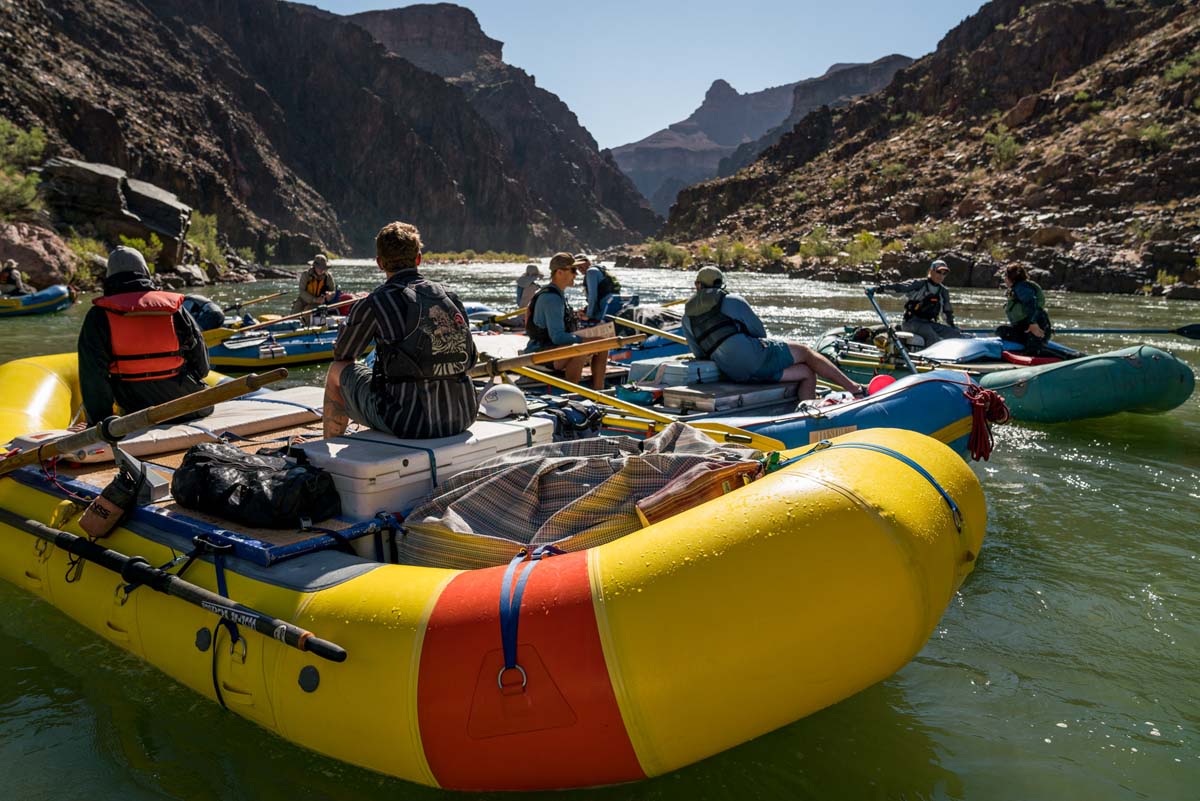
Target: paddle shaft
[(219, 335), (136, 570), (1191, 331), (243, 304), (647, 329), (728, 433), (116, 428), (494, 367), (891, 332)]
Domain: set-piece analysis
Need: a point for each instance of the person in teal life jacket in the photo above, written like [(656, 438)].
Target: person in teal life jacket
[(1028, 323), (721, 326), (137, 346), (550, 323), (926, 299), (600, 287)]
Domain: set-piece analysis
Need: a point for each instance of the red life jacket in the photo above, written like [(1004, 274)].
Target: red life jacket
[(145, 346)]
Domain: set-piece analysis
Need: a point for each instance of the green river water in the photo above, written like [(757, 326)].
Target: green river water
[(1067, 667)]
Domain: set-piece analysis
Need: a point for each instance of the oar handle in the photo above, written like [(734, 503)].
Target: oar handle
[(243, 304), (116, 428)]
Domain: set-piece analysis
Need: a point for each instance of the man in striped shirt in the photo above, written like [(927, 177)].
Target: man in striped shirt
[(418, 388)]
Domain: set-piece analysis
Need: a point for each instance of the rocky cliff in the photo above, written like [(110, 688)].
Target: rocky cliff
[(273, 117), (840, 84), (551, 151), (1063, 134), (729, 125)]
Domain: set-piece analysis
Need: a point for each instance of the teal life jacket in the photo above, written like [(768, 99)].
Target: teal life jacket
[(1015, 310), (711, 328)]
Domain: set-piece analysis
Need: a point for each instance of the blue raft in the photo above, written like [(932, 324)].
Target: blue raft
[(44, 301)]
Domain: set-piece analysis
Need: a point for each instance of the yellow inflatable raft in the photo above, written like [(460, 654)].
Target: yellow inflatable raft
[(628, 660)]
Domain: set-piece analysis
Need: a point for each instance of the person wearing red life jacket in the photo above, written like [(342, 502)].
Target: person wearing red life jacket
[(137, 346)]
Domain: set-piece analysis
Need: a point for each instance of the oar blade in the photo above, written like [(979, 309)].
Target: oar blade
[(1190, 331)]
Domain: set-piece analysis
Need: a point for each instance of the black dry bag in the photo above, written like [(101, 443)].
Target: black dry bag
[(261, 491)]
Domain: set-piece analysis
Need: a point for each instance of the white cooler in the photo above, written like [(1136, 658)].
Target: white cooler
[(376, 472), (672, 371)]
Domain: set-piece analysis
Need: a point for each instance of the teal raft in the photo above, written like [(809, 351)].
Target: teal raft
[(1141, 379), (44, 301)]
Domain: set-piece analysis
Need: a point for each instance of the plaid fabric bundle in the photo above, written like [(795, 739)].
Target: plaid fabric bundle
[(573, 495)]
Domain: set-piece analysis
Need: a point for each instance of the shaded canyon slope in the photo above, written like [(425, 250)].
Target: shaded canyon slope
[(273, 118), (552, 152), (730, 128), (1064, 134)]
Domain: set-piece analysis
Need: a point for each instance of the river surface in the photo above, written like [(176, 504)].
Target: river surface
[(1067, 667)]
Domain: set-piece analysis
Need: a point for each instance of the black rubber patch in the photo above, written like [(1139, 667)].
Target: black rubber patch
[(203, 639), (310, 679)]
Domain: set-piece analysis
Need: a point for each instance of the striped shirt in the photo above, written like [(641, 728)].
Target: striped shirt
[(408, 409)]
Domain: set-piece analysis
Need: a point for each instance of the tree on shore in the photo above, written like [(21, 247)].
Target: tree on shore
[(19, 150)]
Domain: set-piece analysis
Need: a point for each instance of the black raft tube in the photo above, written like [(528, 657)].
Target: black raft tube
[(136, 570)]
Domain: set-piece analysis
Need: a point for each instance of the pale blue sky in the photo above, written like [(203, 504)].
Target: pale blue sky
[(629, 68)]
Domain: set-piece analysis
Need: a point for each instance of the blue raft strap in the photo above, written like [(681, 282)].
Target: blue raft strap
[(430, 451), (826, 445), (510, 606), (305, 406)]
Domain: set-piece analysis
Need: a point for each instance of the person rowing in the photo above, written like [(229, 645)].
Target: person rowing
[(721, 326), (925, 300)]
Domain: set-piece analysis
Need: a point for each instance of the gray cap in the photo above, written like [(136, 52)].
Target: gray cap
[(126, 260)]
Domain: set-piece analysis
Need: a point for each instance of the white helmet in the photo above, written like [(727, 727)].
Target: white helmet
[(502, 400)]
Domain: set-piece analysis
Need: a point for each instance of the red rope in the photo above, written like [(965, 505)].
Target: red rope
[(987, 407)]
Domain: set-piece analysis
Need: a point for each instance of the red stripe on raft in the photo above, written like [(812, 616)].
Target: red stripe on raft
[(564, 730), (1020, 358)]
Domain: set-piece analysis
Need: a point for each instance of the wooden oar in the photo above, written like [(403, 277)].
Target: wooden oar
[(647, 329), (116, 428), (496, 318), (494, 367), (218, 335), (1190, 331), (243, 304), (723, 432)]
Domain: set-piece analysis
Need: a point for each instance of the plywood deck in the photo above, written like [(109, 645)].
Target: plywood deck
[(100, 475)]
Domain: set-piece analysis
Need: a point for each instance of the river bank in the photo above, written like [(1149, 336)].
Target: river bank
[(1065, 666), (1082, 269)]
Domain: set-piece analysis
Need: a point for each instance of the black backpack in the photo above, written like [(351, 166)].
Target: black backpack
[(261, 491)]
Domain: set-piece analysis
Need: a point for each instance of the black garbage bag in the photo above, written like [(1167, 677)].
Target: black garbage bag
[(260, 491)]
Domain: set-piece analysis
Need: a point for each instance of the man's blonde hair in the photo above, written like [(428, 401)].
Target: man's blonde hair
[(397, 245)]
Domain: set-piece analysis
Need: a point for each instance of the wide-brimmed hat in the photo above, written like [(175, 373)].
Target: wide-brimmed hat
[(319, 260), (532, 271)]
